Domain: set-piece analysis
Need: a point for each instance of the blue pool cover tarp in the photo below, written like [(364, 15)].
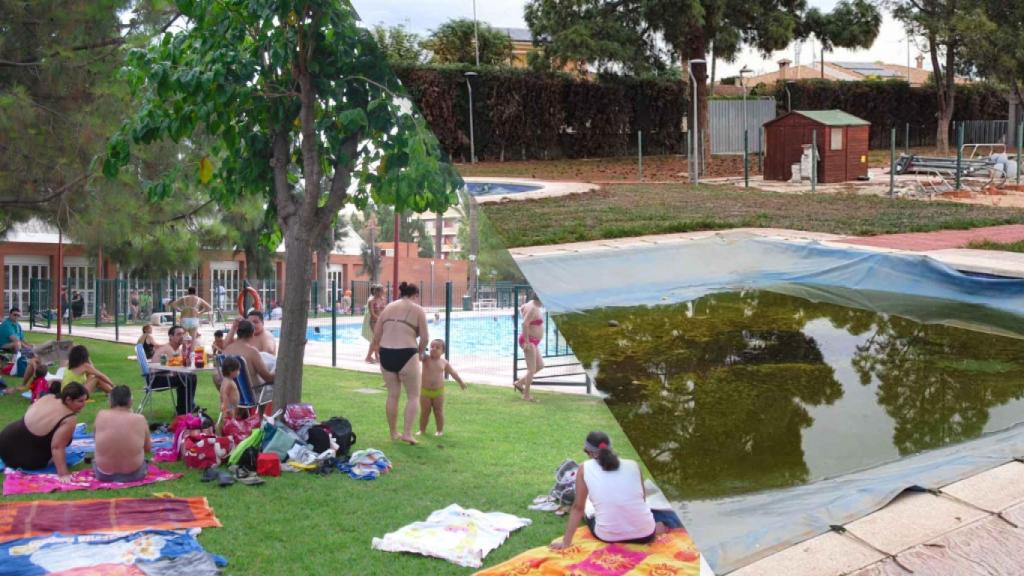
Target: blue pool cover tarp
[(734, 532)]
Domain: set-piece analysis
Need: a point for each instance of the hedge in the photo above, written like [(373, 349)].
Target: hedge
[(891, 104), (523, 115)]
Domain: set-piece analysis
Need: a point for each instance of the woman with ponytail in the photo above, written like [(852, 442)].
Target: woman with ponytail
[(616, 489)]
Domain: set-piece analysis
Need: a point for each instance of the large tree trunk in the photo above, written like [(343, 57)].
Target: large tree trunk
[(292, 343), (323, 256), (944, 91)]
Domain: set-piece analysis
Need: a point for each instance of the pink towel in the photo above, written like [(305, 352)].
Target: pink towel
[(16, 482)]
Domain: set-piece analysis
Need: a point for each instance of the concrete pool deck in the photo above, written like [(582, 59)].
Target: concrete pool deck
[(473, 369)]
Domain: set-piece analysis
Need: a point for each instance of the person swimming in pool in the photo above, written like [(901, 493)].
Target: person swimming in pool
[(400, 337), (530, 335), (435, 368), (191, 307)]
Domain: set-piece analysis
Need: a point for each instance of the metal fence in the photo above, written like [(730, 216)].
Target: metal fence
[(910, 135), (726, 121)]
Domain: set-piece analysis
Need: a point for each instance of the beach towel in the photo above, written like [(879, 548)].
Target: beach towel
[(672, 553), (17, 482), (145, 553), (455, 534), (43, 517), (366, 464)]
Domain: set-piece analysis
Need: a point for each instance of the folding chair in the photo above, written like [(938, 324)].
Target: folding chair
[(147, 377), (248, 397)]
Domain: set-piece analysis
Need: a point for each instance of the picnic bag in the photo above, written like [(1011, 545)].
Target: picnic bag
[(564, 490), (296, 416), (238, 429), (341, 429), (204, 449)]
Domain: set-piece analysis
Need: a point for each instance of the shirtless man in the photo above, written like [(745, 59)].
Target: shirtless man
[(191, 308), (261, 339), (244, 345), (183, 382), (122, 440)]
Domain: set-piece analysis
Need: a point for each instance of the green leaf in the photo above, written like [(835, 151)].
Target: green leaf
[(205, 170)]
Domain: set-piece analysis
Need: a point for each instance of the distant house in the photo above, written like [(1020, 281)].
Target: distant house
[(524, 42), (846, 72)]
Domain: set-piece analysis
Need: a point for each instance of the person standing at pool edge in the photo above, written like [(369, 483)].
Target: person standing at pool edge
[(400, 337), (530, 335), (374, 306), (191, 308)]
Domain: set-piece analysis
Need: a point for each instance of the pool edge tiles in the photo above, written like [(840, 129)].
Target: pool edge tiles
[(545, 188)]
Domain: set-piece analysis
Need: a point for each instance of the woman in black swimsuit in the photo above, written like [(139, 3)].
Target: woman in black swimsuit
[(44, 432), (401, 337)]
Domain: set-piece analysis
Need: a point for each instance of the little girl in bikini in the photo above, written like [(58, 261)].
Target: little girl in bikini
[(435, 367)]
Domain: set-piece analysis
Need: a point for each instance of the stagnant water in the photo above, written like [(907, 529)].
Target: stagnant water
[(745, 391)]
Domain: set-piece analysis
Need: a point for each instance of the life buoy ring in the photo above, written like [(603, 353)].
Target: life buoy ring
[(249, 291)]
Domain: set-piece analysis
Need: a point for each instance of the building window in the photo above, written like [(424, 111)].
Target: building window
[(837, 139)]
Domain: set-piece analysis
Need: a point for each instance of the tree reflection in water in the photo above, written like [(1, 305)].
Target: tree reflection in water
[(714, 393)]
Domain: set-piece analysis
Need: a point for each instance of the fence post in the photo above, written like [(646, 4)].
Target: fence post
[(760, 150), (1020, 142), (515, 333), (640, 153), (334, 323), (171, 298), (814, 160), (71, 315), (117, 310), (892, 164), (97, 296), (746, 164), (352, 304), (447, 319), (959, 152)]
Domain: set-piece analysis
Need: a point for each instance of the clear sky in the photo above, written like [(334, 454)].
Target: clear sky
[(423, 15)]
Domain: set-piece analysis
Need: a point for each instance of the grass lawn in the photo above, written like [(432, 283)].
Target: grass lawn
[(1002, 246), (497, 455), (618, 211)]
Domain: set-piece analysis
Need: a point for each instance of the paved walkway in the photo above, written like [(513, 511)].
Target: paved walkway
[(940, 240)]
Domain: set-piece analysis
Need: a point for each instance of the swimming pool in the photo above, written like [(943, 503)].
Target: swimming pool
[(739, 392), (499, 188), (776, 388), (477, 336)]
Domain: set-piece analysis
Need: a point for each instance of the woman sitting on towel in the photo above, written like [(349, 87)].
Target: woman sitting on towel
[(616, 488), (45, 431)]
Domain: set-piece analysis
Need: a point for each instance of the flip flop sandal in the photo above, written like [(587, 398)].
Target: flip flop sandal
[(518, 387), (251, 480), (210, 474)]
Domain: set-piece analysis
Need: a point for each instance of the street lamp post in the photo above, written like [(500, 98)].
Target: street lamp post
[(743, 83), (472, 140), (476, 35), (789, 97), (695, 170), (432, 301)]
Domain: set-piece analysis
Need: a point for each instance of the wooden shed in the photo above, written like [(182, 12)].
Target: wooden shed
[(842, 144)]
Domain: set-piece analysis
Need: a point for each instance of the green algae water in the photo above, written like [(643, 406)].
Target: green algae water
[(740, 392)]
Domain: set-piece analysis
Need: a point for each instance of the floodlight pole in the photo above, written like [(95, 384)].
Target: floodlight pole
[(695, 172)]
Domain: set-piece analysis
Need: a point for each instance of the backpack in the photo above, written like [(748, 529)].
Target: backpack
[(341, 429), (564, 491)]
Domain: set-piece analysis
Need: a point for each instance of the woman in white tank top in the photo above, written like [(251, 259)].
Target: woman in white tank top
[(616, 489)]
